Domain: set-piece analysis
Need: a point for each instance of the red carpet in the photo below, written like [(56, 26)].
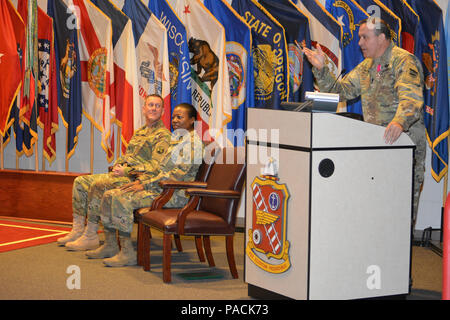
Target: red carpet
[(17, 235)]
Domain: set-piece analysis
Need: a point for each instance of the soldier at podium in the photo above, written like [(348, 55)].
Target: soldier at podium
[(390, 83)]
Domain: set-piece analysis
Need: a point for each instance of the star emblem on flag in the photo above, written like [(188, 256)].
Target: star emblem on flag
[(186, 9)]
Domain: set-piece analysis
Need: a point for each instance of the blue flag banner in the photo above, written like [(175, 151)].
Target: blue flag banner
[(326, 31), (378, 9), (349, 13), (409, 21), (296, 27), (240, 66), (447, 32), (269, 51), (180, 68), (432, 51), (67, 69)]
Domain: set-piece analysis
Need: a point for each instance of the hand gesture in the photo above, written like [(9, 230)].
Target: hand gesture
[(315, 57)]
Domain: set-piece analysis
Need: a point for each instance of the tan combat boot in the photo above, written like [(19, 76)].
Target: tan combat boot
[(109, 249), (126, 257)]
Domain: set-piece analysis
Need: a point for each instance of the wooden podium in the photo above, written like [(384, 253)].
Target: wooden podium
[(328, 207)]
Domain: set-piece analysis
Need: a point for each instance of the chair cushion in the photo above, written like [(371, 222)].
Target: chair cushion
[(197, 222)]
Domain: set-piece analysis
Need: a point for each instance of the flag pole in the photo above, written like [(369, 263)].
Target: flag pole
[(1, 155), (444, 198), (119, 146), (67, 147), (92, 147), (36, 159)]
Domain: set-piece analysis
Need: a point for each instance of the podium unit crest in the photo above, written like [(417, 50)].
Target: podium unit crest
[(267, 243)]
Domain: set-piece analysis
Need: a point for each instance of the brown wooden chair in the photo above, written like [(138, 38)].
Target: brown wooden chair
[(169, 188), (211, 210)]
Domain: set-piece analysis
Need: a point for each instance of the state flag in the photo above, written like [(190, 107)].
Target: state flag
[(270, 61), (152, 57), (12, 32), (209, 73), (68, 70), (377, 9), (296, 27), (125, 101), (178, 50), (238, 50), (409, 22), (431, 49), (96, 56), (47, 95), (349, 13), (26, 122), (326, 31)]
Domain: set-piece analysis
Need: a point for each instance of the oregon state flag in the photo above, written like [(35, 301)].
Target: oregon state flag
[(10, 78), (270, 61), (349, 13), (68, 70), (209, 74), (47, 95), (296, 26), (152, 58), (124, 89), (378, 9), (240, 66), (179, 66), (432, 51), (409, 22)]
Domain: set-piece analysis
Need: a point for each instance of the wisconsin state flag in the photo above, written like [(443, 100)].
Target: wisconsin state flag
[(179, 66), (97, 73), (10, 78), (240, 66), (209, 72), (125, 101), (152, 58)]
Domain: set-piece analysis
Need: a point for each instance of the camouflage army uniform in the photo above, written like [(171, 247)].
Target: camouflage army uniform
[(391, 89), (181, 163), (146, 149)]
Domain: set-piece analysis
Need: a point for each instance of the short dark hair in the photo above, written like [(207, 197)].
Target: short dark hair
[(382, 27), (192, 112), (155, 95)]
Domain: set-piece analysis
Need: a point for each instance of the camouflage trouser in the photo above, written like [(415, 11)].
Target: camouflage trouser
[(88, 190), (117, 207), (417, 134)]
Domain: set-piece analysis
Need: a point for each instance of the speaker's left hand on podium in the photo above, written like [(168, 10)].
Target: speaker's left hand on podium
[(392, 132)]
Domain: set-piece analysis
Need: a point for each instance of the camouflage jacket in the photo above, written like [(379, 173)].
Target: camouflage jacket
[(181, 163), (391, 87), (146, 149)]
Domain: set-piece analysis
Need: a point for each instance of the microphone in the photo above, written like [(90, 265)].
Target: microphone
[(335, 81)]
